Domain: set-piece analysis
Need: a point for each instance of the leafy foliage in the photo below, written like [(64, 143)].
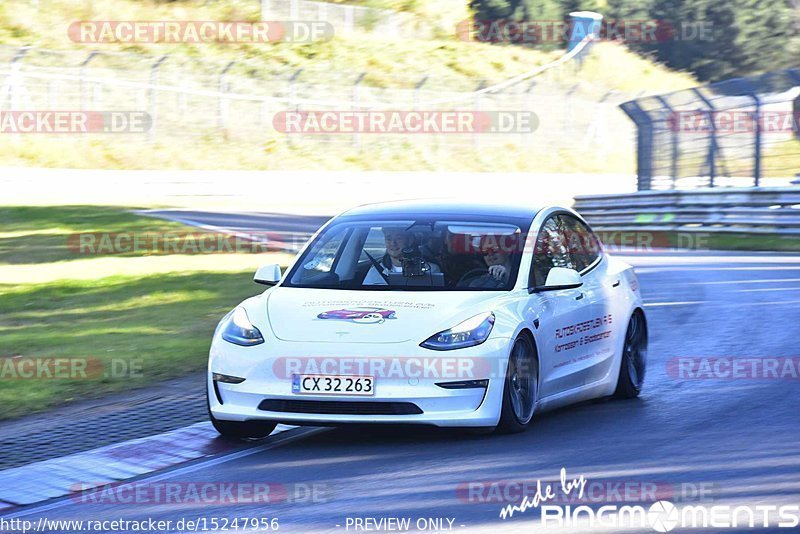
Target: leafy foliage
[(712, 39)]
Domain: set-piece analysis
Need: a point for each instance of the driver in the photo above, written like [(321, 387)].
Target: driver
[(396, 239), (498, 265)]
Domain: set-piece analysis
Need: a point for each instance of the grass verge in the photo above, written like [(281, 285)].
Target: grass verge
[(140, 318)]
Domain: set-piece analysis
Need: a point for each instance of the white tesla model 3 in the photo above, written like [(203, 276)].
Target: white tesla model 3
[(447, 314)]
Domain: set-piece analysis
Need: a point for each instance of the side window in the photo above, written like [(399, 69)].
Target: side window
[(550, 251), (583, 245), (322, 256)]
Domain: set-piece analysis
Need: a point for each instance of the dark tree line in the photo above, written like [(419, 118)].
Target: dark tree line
[(715, 39)]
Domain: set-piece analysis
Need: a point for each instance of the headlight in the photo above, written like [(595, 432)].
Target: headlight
[(471, 332), (237, 329)]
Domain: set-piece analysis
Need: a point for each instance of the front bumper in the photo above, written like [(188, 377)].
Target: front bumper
[(267, 371)]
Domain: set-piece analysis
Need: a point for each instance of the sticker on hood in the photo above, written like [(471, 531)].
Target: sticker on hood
[(362, 315)]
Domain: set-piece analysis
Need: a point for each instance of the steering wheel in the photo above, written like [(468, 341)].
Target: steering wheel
[(472, 273)]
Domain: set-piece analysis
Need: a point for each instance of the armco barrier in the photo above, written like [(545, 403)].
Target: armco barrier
[(773, 210)]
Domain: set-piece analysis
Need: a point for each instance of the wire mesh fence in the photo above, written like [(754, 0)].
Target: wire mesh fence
[(739, 132), (239, 101)]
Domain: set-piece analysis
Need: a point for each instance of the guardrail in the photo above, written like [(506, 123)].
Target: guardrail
[(767, 210)]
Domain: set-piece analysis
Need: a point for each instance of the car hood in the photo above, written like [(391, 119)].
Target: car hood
[(338, 316)]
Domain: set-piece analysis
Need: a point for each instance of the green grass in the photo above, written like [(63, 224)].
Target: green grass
[(155, 312), (766, 242), (160, 325), (40, 234)]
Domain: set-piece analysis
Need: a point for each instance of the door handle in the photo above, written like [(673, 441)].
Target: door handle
[(579, 297), (615, 284)]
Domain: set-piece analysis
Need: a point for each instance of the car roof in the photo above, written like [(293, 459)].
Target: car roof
[(423, 207)]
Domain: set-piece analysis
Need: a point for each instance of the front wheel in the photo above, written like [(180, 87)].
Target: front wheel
[(241, 430), (521, 387), (634, 359)]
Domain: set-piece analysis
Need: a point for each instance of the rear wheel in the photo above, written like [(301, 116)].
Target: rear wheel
[(634, 359), (241, 429), (521, 387)]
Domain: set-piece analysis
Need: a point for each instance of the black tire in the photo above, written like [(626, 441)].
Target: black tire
[(521, 390), (241, 430), (634, 358)]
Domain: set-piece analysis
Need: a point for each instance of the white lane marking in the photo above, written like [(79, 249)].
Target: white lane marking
[(723, 304), (706, 260), (728, 282), (684, 303), (766, 289), (651, 270), (282, 439)]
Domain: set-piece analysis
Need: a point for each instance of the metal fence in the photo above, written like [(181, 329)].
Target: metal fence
[(238, 100), (739, 132)]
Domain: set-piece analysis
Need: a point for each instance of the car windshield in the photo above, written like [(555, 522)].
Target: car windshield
[(413, 254)]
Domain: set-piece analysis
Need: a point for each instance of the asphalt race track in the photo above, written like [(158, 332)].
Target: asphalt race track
[(694, 437)]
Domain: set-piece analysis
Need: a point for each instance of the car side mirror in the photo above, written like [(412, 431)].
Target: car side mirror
[(560, 278), (269, 275)]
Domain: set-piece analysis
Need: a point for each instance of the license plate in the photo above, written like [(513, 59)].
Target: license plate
[(333, 385)]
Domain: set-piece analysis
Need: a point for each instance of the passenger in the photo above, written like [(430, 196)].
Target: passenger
[(498, 264), (396, 239)]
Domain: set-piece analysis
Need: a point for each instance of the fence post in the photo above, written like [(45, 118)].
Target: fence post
[(569, 118), (14, 83), (477, 101), (418, 90), (712, 145), (644, 143), (292, 91), (82, 82), (349, 18), (222, 103), (529, 107), (355, 100), (264, 9), (757, 142), (153, 96), (795, 75), (294, 9), (675, 139)]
